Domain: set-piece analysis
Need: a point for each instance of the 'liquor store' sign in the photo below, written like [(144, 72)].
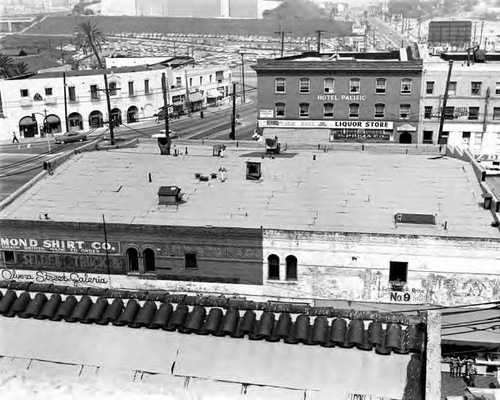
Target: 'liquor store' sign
[(60, 245)]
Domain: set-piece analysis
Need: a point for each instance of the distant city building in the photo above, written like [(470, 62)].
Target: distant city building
[(238, 9), (341, 96), (472, 114), (450, 32), (136, 94)]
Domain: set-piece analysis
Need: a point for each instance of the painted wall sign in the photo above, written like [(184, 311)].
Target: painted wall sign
[(67, 278), (277, 123), (266, 113), (341, 97), (59, 245), (358, 135)]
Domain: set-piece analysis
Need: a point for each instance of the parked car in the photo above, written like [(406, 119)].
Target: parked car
[(70, 137)]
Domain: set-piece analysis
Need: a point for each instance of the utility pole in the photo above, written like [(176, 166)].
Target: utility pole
[(232, 134), (486, 102), (445, 102), (188, 104), (319, 40), (282, 33), (243, 78), (165, 106), (108, 102), (65, 103), (481, 34)]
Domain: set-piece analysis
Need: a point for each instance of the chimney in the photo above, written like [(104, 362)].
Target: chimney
[(169, 195)]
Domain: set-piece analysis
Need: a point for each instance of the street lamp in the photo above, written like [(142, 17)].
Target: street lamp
[(45, 125)]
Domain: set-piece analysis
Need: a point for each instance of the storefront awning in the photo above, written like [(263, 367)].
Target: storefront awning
[(53, 119), (178, 103), (212, 94), (196, 97)]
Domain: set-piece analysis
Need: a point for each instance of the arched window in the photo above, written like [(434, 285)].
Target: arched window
[(380, 85), (291, 268), (406, 86), (304, 110), (328, 110), (148, 257), (328, 85), (379, 110), (132, 259), (353, 110), (304, 85), (273, 267), (354, 85), (280, 110), (280, 85)]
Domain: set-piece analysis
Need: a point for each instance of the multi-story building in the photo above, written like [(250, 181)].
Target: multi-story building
[(36, 103), (472, 113), (347, 96)]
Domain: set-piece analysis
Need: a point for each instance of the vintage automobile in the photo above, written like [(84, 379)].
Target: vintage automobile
[(71, 137)]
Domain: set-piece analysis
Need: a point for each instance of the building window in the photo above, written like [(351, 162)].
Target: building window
[(427, 139), (304, 85), (148, 258), (354, 85), (201, 80), (72, 93), (132, 259), (353, 110), (291, 268), (380, 85), (379, 110), (496, 113), (406, 86), (497, 88), (473, 113), (328, 110), (190, 260), (398, 273), (304, 110), (280, 85), (280, 110), (94, 93), (9, 257), (452, 89), (273, 267), (465, 137), (48, 91), (219, 76), (146, 86), (178, 81), (25, 93), (429, 87), (210, 78), (328, 85), (131, 88), (190, 82), (449, 112), (444, 138), (112, 88), (404, 111), (428, 112), (475, 88)]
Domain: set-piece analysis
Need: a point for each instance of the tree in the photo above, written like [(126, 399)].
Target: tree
[(6, 65), (19, 68), (90, 39)]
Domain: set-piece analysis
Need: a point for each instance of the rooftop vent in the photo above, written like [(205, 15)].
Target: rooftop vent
[(169, 195), (423, 219), (254, 170)]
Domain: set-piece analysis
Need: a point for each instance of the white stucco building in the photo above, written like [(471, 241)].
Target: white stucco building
[(473, 107), (135, 91)]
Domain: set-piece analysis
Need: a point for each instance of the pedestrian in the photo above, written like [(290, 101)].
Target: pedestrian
[(14, 138)]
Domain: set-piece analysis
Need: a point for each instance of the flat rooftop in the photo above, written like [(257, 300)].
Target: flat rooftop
[(338, 191)]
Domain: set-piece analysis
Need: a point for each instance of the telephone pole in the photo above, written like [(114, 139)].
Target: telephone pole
[(282, 33), (165, 106), (188, 104), (108, 102), (243, 78), (65, 103), (232, 134), (445, 102)]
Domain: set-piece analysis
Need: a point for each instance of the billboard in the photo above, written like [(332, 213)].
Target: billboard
[(450, 32)]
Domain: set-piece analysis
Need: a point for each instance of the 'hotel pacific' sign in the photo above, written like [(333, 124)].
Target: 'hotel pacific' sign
[(59, 245)]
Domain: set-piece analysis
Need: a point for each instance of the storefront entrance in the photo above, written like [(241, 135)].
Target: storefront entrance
[(53, 124), (95, 119), (116, 116), (132, 115), (75, 122), (27, 127), (405, 137)]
